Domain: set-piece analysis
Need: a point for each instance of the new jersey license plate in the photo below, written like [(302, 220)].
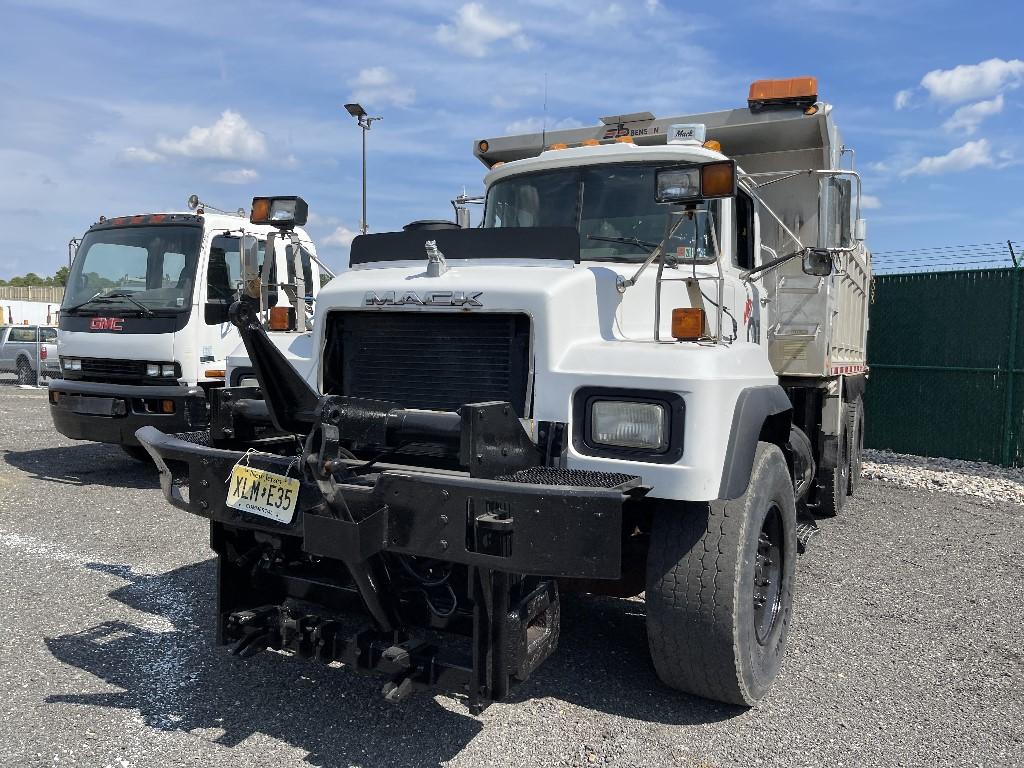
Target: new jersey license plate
[(263, 493)]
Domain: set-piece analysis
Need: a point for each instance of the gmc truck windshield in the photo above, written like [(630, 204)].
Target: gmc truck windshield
[(136, 269), (613, 208)]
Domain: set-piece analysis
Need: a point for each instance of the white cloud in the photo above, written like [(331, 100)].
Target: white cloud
[(473, 31), (342, 236), (536, 125), (870, 202), (377, 86), (972, 154), (140, 155), (652, 5), (969, 117), (902, 99), (974, 81), (230, 138), (237, 176)]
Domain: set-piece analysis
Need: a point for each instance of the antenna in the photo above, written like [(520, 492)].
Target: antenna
[(544, 123)]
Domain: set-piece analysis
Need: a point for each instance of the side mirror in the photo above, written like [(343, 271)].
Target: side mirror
[(817, 262), (215, 312)]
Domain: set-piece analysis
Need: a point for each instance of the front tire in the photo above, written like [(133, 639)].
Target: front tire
[(25, 373), (720, 587)]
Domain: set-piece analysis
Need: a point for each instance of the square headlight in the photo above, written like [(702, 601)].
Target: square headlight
[(72, 364), (167, 369), (626, 424), (152, 369)]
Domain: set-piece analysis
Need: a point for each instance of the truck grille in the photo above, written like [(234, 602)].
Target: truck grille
[(104, 369), (433, 360)]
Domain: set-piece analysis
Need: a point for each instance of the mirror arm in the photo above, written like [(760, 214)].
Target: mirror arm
[(769, 265)]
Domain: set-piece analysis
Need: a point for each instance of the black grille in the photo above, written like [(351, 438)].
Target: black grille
[(104, 369), (434, 360), (577, 478)]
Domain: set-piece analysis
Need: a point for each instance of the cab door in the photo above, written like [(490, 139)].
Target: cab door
[(220, 289)]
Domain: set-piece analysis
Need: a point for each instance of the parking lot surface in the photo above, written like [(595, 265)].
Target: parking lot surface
[(906, 647)]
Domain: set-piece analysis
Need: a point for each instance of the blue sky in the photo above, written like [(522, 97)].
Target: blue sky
[(129, 107)]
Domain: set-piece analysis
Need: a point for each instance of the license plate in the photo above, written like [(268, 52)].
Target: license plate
[(263, 493), (97, 406)]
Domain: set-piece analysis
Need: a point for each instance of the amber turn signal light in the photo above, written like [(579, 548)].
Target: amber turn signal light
[(718, 179), (687, 323), (279, 319)]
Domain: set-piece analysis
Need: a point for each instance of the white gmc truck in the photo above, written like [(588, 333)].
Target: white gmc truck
[(642, 373), (144, 334)]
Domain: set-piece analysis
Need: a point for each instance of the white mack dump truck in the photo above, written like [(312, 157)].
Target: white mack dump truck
[(642, 373)]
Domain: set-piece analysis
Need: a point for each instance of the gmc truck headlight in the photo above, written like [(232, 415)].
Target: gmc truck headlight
[(72, 363), (152, 369), (629, 425)]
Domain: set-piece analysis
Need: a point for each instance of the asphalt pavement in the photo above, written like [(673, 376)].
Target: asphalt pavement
[(906, 647)]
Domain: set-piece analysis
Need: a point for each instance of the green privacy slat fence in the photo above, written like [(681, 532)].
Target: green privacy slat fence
[(946, 351)]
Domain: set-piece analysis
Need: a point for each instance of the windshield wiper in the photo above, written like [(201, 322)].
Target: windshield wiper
[(126, 295), (634, 241), (101, 297)]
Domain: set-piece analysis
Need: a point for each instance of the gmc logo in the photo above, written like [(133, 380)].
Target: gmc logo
[(106, 324), (433, 299)]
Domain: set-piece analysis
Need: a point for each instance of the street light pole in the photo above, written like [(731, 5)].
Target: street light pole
[(365, 122)]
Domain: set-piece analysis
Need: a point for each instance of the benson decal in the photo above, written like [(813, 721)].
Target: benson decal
[(431, 299), (106, 324)]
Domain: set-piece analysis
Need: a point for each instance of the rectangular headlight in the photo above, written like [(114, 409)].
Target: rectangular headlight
[(167, 370), (152, 369), (74, 364), (629, 425)]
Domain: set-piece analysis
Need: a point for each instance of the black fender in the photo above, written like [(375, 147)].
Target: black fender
[(762, 413), (854, 386)]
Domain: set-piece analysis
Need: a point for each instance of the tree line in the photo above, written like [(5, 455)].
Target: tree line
[(32, 279)]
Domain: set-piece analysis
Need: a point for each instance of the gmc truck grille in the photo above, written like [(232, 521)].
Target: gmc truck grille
[(104, 369), (432, 360)]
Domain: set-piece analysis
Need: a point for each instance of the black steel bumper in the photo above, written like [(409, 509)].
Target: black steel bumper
[(539, 522), (113, 413)]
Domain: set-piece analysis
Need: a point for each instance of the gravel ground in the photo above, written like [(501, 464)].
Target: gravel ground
[(965, 478), (906, 648)]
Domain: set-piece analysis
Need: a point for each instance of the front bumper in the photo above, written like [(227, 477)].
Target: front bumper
[(539, 522), (112, 413)]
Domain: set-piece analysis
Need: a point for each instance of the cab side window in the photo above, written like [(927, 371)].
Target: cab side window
[(743, 253), (48, 335), (224, 272)]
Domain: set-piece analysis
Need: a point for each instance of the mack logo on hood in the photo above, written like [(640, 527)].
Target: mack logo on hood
[(431, 299), (106, 324)]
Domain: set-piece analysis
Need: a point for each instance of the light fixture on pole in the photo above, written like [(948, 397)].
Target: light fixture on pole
[(365, 122)]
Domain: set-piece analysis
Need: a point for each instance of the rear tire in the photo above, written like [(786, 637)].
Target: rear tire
[(25, 373), (855, 434), (834, 489), (138, 453), (720, 587)]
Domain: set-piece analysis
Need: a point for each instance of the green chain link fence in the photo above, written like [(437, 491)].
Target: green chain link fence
[(946, 352)]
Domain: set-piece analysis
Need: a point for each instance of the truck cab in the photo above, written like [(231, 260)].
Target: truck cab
[(144, 333)]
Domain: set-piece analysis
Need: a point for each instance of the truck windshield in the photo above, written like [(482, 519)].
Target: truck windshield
[(125, 267), (601, 201)]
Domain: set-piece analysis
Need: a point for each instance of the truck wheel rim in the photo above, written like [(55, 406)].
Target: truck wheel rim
[(768, 575)]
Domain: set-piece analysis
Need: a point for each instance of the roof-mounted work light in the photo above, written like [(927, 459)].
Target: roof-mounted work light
[(280, 212), (685, 184)]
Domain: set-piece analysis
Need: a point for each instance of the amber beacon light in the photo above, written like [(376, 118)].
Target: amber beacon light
[(795, 91)]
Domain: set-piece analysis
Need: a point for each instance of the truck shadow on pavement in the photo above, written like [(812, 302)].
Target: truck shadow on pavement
[(84, 464), (169, 670)]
